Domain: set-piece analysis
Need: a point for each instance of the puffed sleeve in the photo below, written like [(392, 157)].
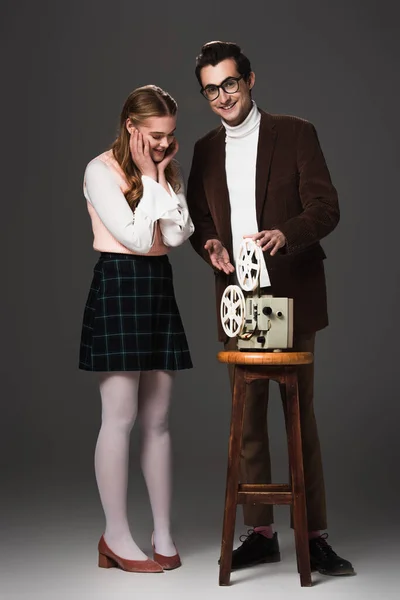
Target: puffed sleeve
[(176, 225), (133, 229)]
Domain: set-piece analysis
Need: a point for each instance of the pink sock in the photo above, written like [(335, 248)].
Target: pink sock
[(265, 530), (313, 534)]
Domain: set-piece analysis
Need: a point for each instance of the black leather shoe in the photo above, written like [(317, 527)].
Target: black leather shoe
[(255, 549), (325, 560)]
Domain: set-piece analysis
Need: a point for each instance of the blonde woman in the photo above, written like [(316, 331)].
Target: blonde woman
[(132, 332)]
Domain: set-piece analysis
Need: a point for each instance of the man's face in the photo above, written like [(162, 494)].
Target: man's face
[(234, 107)]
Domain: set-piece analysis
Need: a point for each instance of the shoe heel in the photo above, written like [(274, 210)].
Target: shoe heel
[(105, 562)]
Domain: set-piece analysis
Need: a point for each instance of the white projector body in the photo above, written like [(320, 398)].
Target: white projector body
[(260, 322)]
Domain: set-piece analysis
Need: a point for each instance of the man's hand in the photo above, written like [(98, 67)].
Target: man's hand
[(269, 238), (219, 256)]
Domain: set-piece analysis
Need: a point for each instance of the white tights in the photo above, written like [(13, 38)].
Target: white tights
[(125, 395)]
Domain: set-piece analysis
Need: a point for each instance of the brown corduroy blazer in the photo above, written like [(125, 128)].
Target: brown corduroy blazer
[(294, 193)]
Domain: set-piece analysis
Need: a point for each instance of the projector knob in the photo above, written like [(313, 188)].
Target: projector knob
[(267, 310)]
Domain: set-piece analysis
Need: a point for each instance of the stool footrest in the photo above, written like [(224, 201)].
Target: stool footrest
[(264, 493)]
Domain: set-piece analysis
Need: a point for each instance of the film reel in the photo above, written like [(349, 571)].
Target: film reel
[(248, 265), (232, 310)]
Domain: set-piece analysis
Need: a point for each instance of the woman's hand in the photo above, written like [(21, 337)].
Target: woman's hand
[(169, 155), (140, 152)]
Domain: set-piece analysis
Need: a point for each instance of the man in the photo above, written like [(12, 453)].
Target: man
[(264, 176)]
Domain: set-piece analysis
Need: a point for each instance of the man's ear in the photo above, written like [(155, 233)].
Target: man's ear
[(251, 80)]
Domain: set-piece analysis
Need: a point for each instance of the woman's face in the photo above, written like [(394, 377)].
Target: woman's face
[(159, 132)]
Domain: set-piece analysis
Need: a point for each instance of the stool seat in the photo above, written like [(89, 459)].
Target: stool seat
[(265, 358)]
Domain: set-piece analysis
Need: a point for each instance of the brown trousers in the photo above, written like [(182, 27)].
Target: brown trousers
[(255, 462)]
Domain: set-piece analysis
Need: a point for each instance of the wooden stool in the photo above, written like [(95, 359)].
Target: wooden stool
[(281, 367)]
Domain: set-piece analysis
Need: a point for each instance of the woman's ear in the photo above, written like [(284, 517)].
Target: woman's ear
[(129, 126)]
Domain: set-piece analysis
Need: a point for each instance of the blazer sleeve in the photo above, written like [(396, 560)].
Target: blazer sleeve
[(204, 228), (318, 196)]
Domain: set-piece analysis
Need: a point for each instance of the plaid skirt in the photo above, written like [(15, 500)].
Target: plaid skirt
[(131, 320)]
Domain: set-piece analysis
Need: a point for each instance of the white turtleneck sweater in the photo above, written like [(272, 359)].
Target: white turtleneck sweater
[(240, 165)]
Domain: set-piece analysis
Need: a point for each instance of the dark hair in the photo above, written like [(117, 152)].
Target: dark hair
[(213, 53)]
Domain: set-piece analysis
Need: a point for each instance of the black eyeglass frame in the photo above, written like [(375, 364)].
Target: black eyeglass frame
[(221, 86)]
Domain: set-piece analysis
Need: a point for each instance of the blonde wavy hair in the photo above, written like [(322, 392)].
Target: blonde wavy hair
[(143, 103)]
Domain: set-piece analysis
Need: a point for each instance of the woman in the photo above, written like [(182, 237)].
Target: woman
[(132, 331)]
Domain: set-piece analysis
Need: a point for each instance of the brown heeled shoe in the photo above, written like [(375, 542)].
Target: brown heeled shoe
[(107, 560), (167, 562)]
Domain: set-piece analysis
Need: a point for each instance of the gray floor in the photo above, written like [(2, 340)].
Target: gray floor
[(49, 538)]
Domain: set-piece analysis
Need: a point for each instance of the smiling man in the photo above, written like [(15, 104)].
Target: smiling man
[(264, 176)]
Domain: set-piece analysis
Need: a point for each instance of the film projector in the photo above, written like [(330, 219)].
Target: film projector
[(260, 322)]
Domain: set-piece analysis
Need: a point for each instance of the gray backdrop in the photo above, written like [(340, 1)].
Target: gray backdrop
[(66, 70)]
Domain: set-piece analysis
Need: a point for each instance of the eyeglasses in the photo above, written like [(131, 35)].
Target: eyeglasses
[(230, 86)]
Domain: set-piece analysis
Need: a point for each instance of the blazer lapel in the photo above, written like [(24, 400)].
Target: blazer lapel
[(265, 150)]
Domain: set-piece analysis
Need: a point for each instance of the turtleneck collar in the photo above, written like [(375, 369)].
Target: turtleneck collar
[(250, 123)]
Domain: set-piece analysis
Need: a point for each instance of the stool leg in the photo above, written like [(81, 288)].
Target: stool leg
[(232, 479), (297, 475)]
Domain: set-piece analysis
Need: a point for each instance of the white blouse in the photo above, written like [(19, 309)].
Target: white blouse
[(135, 230)]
